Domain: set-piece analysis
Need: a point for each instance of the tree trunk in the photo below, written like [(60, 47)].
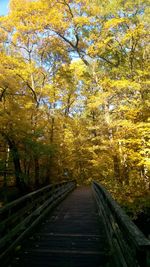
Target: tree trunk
[(48, 172), (36, 172), (52, 130), (117, 168), (16, 160), (126, 173)]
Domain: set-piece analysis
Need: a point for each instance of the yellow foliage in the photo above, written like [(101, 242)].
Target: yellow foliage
[(74, 77), (114, 22)]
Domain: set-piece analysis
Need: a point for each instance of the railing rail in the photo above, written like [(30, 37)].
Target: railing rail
[(19, 217), (130, 248)]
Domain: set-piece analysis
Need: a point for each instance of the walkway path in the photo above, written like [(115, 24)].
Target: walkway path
[(72, 236)]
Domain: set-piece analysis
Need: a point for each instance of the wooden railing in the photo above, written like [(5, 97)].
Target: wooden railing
[(130, 248), (19, 217)]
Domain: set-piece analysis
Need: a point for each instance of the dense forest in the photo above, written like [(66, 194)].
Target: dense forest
[(74, 97)]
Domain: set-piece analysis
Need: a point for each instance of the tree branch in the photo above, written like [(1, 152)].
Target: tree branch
[(2, 93)]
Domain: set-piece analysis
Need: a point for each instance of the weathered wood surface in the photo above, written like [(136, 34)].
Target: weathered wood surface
[(130, 248), (72, 236), (19, 217)]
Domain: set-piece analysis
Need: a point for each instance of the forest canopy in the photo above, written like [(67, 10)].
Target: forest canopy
[(74, 94)]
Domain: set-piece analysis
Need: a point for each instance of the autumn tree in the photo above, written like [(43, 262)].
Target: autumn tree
[(74, 91)]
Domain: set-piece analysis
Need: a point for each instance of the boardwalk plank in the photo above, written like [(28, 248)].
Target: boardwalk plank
[(72, 236)]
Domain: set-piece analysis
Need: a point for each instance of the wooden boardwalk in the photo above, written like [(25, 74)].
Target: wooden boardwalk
[(72, 236)]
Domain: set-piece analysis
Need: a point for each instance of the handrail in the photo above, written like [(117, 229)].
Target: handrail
[(20, 216), (130, 248), (15, 202)]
